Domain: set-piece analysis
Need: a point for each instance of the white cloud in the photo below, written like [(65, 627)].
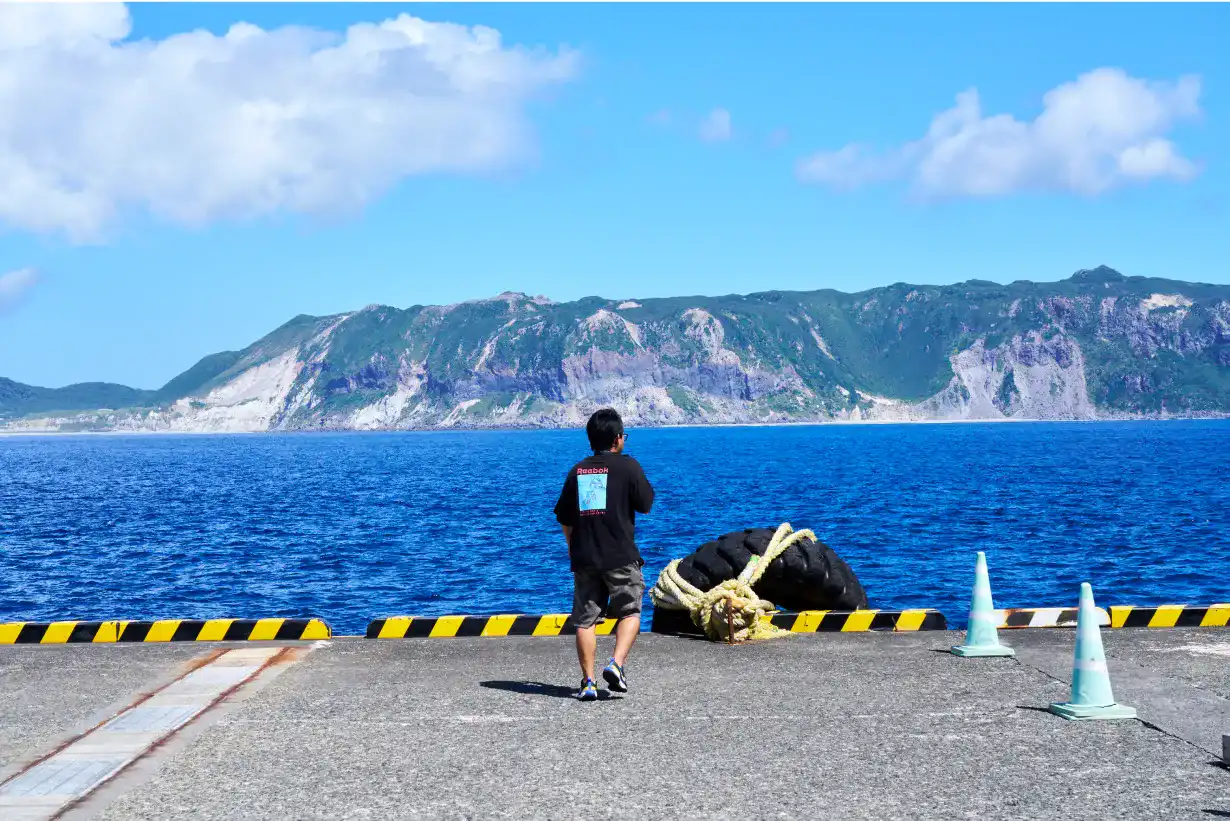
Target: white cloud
[(15, 285), (1097, 132), (716, 126), (199, 127)]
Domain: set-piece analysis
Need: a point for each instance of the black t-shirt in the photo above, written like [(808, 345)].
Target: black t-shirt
[(600, 500)]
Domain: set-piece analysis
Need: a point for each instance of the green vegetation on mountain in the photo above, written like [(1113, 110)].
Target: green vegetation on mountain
[(1096, 344), (193, 380), (17, 399)]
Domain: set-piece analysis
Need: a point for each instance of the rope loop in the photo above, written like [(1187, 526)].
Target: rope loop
[(731, 610)]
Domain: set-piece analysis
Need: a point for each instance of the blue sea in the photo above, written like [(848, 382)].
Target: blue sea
[(351, 526)]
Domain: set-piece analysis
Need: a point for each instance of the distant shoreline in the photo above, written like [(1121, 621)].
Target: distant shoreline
[(704, 425)]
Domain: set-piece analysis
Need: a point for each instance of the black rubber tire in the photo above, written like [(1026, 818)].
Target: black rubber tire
[(808, 576)]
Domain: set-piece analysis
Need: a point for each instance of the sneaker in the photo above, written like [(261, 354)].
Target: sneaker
[(614, 675), (588, 691)]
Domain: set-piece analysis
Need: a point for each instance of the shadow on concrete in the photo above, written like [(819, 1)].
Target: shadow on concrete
[(687, 636), (539, 688), (1218, 813), (1033, 708)]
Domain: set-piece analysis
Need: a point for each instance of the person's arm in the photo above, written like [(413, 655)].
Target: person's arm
[(642, 491), (566, 509)]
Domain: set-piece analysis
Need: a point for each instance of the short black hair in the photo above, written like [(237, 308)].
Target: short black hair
[(603, 428)]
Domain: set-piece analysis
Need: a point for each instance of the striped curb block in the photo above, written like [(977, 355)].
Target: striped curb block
[(1019, 618), (860, 621), (163, 630), (410, 627), (1171, 615), (557, 624), (448, 627), (1117, 617), (821, 621)]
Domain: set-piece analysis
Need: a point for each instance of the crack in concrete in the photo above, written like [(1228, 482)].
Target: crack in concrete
[(1149, 724)]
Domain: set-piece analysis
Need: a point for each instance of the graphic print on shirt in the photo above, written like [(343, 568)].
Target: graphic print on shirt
[(591, 490)]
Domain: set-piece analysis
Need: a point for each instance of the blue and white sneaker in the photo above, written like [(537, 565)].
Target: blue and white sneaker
[(588, 691), (614, 675)]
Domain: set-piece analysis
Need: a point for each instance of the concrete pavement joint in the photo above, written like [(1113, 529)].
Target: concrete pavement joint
[(60, 780), (845, 726), (1163, 730), (1150, 725), (1142, 683)]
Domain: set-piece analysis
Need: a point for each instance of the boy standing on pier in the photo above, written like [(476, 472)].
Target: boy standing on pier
[(597, 511)]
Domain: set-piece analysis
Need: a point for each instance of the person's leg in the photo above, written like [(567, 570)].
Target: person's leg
[(626, 632), (627, 589), (587, 647), (588, 602)]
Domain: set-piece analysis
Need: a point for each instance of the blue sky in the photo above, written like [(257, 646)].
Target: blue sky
[(152, 223)]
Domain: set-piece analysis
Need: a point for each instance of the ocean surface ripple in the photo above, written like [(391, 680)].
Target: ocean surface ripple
[(351, 526)]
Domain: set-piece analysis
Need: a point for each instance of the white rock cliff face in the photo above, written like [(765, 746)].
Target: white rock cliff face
[(516, 361), (1021, 379), (1026, 378)]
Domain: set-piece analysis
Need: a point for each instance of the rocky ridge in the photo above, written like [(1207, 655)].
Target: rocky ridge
[(1097, 345)]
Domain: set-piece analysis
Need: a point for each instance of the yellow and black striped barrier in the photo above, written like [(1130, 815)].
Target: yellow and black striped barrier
[(448, 627), (860, 621), (1019, 618), (1167, 615), (820, 621), (1171, 615), (107, 632), (557, 624)]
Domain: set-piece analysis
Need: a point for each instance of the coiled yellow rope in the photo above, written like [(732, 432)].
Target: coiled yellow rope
[(731, 611)]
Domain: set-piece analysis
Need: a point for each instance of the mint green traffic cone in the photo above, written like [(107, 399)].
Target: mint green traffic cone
[(1091, 695), (981, 636)]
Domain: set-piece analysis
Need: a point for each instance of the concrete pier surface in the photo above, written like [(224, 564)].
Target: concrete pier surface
[(836, 726)]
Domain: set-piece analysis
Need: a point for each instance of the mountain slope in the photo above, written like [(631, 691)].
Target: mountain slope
[(17, 399), (1093, 346)]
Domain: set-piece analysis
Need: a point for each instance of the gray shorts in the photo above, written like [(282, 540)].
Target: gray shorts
[(616, 593)]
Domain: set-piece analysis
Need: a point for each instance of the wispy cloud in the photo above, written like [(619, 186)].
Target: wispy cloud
[(660, 117), (1102, 130), (716, 126), (199, 127), (15, 285)]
